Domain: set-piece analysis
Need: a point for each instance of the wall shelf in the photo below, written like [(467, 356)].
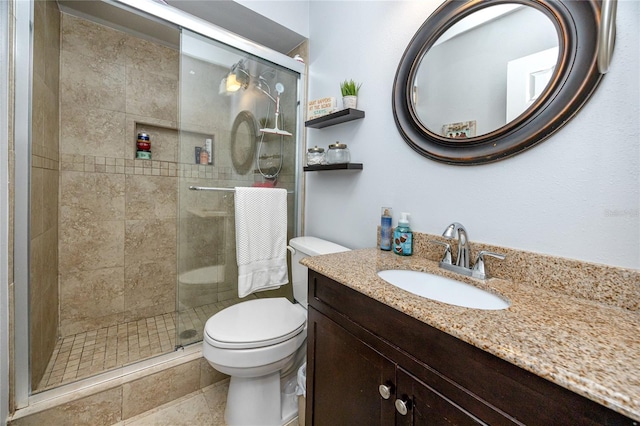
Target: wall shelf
[(337, 117), (341, 166)]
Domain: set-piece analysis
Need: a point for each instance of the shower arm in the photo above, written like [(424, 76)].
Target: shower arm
[(259, 87)]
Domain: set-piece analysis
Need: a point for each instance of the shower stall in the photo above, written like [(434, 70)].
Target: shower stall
[(123, 257)]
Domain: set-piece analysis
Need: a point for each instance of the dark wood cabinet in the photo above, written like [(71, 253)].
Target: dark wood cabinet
[(356, 344), (426, 406), (347, 376)]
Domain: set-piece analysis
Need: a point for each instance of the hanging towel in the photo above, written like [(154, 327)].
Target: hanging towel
[(261, 239)]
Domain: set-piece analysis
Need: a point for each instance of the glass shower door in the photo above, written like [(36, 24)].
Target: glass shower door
[(226, 97)]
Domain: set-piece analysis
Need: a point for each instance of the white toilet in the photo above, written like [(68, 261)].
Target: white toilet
[(260, 344)]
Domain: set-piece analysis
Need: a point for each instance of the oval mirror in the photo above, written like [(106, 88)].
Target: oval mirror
[(243, 142), (485, 80)]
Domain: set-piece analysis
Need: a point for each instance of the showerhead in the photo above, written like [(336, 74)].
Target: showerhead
[(275, 130)]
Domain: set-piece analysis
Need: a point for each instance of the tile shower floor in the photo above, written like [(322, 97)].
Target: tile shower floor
[(86, 354)]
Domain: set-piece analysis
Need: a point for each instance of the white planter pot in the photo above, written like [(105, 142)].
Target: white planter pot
[(349, 102)]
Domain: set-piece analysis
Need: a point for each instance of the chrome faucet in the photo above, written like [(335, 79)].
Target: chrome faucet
[(457, 230), (463, 264)]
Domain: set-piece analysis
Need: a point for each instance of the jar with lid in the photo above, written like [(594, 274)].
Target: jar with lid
[(315, 156), (338, 153)]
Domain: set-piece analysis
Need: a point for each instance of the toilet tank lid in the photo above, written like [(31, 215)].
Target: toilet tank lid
[(315, 246)]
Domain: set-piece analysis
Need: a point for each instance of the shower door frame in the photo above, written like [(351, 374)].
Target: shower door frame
[(149, 9)]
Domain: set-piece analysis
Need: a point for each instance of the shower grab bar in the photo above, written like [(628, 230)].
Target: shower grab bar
[(213, 188)]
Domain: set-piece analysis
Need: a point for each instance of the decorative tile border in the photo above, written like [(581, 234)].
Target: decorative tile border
[(97, 164)]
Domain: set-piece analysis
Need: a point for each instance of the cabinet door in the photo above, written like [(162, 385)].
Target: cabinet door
[(346, 375), (425, 406)]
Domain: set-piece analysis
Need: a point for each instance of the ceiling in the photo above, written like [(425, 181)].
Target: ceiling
[(227, 14), (243, 21)]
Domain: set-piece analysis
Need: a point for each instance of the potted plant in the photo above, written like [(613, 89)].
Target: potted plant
[(350, 91)]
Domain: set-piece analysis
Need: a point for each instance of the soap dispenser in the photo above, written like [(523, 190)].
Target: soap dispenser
[(403, 237)]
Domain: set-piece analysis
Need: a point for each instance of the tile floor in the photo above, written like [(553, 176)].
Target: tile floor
[(83, 355), (201, 408)]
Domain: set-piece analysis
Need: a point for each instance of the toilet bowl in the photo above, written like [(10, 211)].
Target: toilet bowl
[(260, 344)]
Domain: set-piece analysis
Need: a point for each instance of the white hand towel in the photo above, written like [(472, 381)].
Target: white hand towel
[(261, 238)]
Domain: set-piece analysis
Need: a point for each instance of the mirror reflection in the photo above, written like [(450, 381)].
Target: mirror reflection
[(485, 71)]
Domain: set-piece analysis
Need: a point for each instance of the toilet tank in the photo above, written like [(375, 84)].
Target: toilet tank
[(304, 247)]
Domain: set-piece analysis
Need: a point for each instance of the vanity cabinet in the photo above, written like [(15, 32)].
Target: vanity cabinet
[(359, 349)]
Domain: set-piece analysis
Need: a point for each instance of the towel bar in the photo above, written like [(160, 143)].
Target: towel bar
[(213, 188)]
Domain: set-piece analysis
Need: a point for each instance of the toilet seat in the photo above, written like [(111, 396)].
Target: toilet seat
[(255, 324)]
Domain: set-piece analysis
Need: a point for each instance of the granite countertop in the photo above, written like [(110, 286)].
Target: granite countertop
[(586, 346)]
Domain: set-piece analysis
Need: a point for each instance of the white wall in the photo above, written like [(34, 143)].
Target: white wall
[(576, 195), (293, 14)]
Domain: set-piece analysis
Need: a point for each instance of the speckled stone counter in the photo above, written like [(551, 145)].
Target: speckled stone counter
[(583, 344)]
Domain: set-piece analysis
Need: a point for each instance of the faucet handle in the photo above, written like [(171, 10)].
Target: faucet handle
[(478, 268), (446, 258)]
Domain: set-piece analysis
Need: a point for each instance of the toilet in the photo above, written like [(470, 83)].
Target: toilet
[(260, 343)]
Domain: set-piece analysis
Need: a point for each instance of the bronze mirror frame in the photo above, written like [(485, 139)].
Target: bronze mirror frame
[(573, 82), (242, 165)]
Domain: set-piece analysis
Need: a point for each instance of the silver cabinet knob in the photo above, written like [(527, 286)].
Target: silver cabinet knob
[(385, 391), (402, 406)]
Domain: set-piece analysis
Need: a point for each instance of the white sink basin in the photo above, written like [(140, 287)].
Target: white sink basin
[(443, 289)]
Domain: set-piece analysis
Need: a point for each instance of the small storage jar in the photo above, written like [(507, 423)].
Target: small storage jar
[(338, 153), (315, 156)]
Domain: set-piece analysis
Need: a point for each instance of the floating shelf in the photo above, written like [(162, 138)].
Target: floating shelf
[(341, 166), (337, 117)]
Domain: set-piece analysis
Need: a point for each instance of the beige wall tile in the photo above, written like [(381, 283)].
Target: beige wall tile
[(186, 379), (91, 299), (92, 131), (157, 389), (91, 82), (91, 197), (50, 122), (43, 301), (151, 197), (37, 207), (150, 272), (106, 43), (192, 410), (199, 92), (149, 240), (102, 409), (85, 246), (148, 57), (52, 49), (50, 201), (39, 39), (38, 105), (150, 288), (151, 95)]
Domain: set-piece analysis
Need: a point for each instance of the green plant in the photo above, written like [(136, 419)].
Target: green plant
[(350, 88)]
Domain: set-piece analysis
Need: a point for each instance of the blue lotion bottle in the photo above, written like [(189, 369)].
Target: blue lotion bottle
[(385, 228), (403, 237)]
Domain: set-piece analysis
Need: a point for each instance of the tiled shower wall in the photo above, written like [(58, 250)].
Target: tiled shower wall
[(43, 295), (117, 239), (118, 215)]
